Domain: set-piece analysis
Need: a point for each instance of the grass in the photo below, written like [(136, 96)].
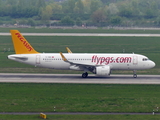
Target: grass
[(82, 44), (16, 97), (81, 117)]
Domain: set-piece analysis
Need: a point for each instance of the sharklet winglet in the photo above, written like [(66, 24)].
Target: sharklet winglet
[(68, 50), (63, 57)]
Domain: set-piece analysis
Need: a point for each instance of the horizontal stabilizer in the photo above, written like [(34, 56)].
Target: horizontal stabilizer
[(18, 57), (21, 58)]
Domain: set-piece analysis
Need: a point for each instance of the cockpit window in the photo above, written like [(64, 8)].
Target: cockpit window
[(145, 59)]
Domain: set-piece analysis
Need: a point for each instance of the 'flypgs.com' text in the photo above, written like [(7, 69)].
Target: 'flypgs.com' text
[(108, 60)]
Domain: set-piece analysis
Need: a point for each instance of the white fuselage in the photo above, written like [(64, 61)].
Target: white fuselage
[(114, 61)]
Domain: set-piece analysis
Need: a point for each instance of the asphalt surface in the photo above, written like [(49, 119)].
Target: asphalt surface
[(84, 34), (76, 78)]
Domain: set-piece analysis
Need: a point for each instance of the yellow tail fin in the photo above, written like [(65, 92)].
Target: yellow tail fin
[(21, 45)]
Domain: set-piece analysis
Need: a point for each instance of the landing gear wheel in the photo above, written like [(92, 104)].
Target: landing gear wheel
[(135, 75), (84, 75)]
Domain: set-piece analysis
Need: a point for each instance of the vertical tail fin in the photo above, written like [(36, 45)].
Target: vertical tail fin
[(21, 45)]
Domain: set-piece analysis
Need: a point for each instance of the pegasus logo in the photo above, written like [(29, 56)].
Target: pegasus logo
[(25, 43)]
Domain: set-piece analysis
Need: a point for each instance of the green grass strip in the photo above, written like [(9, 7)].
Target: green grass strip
[(78, 98), (81, 117)]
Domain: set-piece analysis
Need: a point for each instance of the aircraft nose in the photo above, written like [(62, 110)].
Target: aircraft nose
[(152, 64)]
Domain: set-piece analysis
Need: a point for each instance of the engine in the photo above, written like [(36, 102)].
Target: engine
[(103, 70)]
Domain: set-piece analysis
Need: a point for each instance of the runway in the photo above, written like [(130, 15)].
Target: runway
[(85, 34), (77, 79)]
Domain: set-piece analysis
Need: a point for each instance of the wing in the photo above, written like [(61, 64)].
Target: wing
[(79, 63)]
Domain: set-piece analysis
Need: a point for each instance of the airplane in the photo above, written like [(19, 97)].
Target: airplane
[(101, 64)]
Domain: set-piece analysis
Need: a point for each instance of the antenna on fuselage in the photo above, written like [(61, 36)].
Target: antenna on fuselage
[(123, 50)]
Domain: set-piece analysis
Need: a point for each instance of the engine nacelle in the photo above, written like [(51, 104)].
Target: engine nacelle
[(103, 70)]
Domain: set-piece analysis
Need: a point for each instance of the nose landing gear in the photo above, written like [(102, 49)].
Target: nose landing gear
[(134, 74)]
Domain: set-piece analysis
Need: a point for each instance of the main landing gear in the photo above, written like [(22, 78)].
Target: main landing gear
[(84, 75), (134, 74)]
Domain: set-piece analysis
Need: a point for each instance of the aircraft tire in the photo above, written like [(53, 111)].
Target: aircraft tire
[(135, 75), (84, 75)]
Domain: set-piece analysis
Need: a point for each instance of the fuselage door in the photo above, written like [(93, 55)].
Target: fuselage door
[(135, 60), (38, 59)]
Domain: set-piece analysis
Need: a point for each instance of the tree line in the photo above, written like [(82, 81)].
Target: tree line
[(82, 12)]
